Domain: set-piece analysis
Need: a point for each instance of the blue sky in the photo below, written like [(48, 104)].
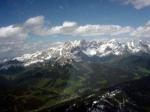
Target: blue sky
[(27, 24), (81, 11)]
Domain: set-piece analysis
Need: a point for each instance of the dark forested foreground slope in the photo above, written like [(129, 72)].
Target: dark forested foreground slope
[(79, 86), (133, 96)]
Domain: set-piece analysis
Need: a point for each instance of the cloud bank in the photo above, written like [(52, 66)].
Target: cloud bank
[(35, 26)]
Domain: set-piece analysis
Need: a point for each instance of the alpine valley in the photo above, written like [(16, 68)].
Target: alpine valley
[(78, 76)]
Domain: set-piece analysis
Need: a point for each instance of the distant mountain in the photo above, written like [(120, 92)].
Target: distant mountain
[(83, 50)]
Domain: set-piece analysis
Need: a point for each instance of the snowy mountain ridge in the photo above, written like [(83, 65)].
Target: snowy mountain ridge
[(75, 50)]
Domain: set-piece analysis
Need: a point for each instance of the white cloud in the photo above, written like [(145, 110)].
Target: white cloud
[(20, 32), (35, 21), (124, 30), (100, 30), (36, 26), (11, 32), (69, 24), (142, 31), (138, 4), (67, 28)]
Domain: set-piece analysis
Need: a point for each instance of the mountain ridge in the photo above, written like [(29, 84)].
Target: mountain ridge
[(81, 50)]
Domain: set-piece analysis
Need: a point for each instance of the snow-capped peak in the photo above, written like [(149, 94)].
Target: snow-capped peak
[(73, 50)]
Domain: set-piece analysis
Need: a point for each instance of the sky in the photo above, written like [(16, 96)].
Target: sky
[(30, 25)]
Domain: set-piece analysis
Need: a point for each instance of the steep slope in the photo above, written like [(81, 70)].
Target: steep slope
[(127, 97)]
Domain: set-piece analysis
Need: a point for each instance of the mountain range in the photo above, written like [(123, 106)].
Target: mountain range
[(83, 50), (74, 70)]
